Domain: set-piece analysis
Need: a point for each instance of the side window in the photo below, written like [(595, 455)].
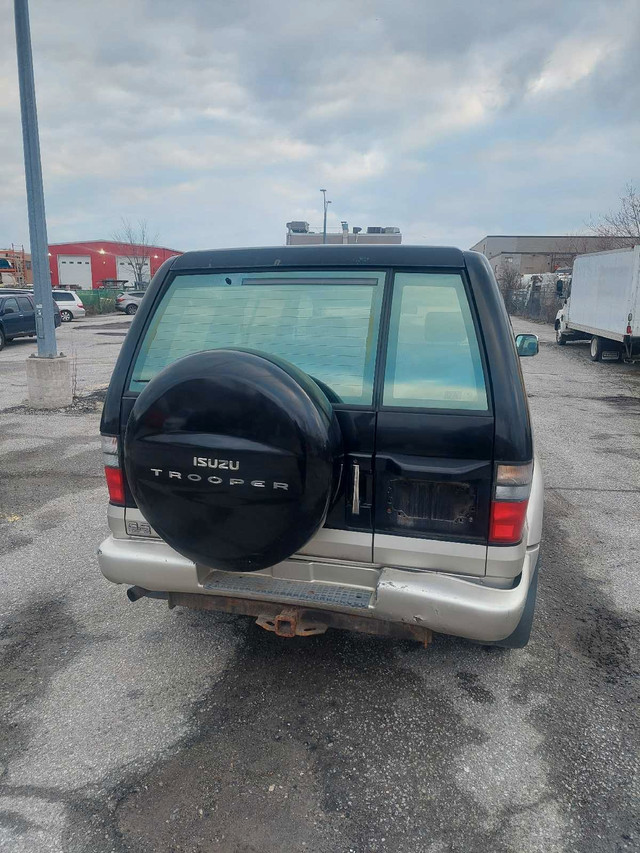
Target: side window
[(433, 357), (25, 304), (10, 306)]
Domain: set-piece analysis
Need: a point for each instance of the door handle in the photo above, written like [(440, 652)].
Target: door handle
[(355, 495)]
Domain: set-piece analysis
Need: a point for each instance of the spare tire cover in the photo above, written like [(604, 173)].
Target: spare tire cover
[(233, 457)]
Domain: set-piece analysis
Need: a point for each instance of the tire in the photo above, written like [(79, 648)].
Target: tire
[(3, 339), (131, 309), (66, 316), (595, 350), (234, 458), (519, 638), (560, 339)]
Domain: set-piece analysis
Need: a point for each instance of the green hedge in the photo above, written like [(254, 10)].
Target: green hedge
[(98, 301)]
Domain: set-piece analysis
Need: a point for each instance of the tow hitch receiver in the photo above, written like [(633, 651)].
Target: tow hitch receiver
[(291, 623)]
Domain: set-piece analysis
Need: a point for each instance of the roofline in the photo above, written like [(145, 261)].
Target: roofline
[(610, 251), (354, 254), (541, 252), (553, 237), (113, 243)]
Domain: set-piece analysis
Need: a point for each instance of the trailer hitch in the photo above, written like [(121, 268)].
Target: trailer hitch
[(290, 622)]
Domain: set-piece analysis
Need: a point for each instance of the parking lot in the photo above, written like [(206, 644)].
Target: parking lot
[(134, 728)]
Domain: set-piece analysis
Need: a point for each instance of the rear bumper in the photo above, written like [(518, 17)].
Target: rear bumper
[(442, 602)]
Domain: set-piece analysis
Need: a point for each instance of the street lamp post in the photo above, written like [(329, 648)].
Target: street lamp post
[(45, 326), (48, 374), (325, 204)]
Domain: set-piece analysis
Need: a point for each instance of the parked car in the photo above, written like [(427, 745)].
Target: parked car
[(70, 304), (18, 316), (129, 301), (327, 436)]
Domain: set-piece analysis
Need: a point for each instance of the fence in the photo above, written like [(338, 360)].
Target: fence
[(536, 297), (98, 301)]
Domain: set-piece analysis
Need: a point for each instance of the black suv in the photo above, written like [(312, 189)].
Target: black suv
[(327, 436), (18, 315)]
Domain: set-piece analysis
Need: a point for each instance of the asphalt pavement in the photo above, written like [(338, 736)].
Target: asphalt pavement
[(134, 728)]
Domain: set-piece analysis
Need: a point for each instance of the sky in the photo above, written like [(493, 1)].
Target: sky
[(217, 122)]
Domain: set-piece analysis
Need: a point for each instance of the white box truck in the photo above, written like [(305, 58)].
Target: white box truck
[(604, 304)]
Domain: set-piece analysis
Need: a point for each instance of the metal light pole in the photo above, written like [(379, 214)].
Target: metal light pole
[(45, 325), (325, 204)]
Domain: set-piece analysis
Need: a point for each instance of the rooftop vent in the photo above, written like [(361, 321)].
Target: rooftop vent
[(298, 227)]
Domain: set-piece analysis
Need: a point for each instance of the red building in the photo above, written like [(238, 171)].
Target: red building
[(102, 263)]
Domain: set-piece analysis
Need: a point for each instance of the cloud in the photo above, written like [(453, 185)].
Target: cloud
[(219, 121)]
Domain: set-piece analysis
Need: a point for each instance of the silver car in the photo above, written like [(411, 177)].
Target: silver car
[(327, 436), (129, 301), (70, 305)]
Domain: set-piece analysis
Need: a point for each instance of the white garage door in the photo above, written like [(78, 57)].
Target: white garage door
[(75, 269), (126, 271)]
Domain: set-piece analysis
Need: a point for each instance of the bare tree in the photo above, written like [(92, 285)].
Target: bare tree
[(581, 244), (134, 244), (622, 224), (509, 278), (509, 282)]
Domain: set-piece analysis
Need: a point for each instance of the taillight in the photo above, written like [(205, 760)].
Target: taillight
[(509, 504), (112, 469), (80, 305)]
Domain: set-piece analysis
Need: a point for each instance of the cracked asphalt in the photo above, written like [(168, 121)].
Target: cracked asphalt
[(134, 728)]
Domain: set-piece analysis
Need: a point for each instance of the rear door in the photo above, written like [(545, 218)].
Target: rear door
[(11, 318), (435, 430), (28, 314)]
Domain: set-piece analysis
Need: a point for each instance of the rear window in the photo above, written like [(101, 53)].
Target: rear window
[(433, 356), (324, 322), (10, 305), (24, 304), (62, 296)]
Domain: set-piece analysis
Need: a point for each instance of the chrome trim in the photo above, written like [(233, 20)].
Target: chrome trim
[(355, 498), (137, 525)]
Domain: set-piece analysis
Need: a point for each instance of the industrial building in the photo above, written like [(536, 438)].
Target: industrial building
[(300, 233), (540, 254), (103, 263), (15, 267)]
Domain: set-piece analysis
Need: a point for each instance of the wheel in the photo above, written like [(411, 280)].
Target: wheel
[(595, 351), (66, 316), (230, 491), (131, 309), (3, 339), (560, 338)]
